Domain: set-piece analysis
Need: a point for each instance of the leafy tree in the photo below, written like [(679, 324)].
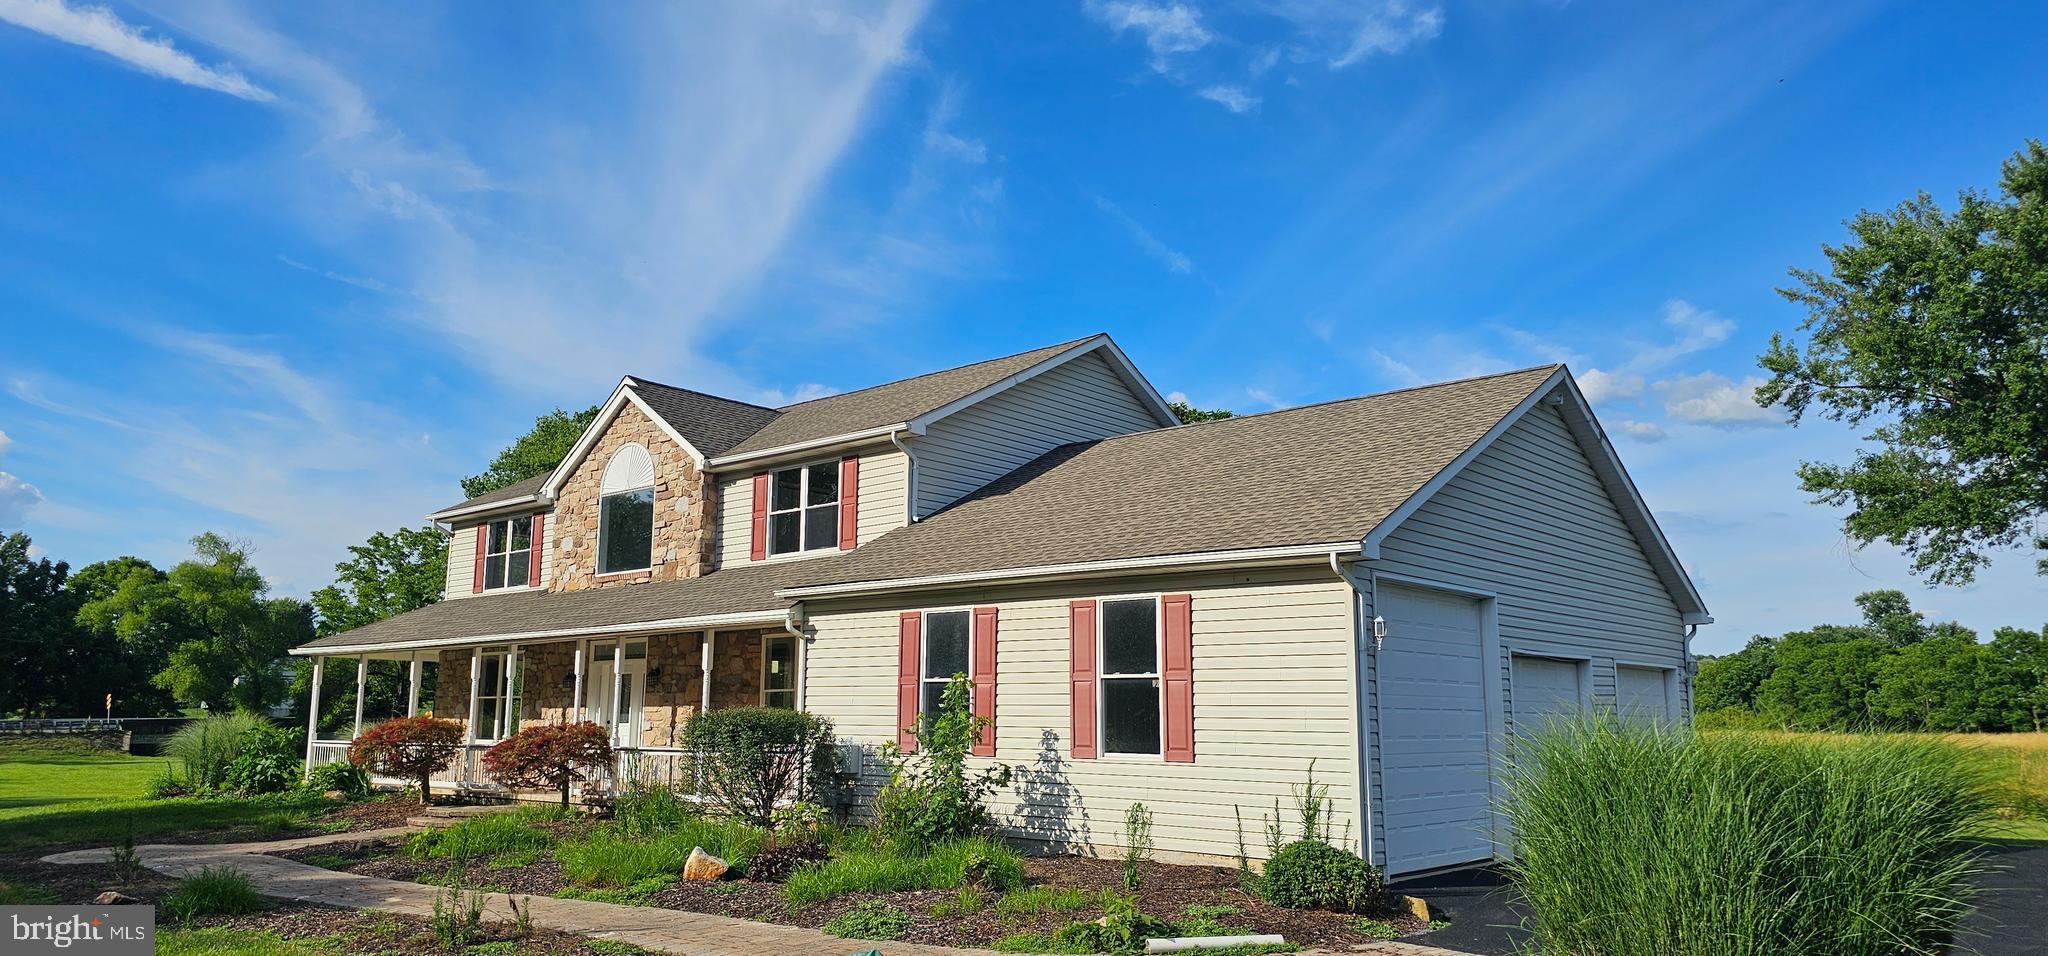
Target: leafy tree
[(1189, 414), (535, 453), (388, 574), (225, 637), (415, 747), (36, 629), (126, 659), (1823, 679), (1947, 683), (2025, 656), (1891, 615), (1930, 326), (554, 756), (1733, 680)]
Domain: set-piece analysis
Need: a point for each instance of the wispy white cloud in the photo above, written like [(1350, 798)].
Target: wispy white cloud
[(1709, 398), (1174, 260), (1341, 33), (1168, 29), (1232, 98), (1601, 387), (938, 133), (97, 28), (17, 497), (1391, 28), (1639, 430), (1693, 330)]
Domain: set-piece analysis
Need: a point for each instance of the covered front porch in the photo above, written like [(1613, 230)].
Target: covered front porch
[(644, 687)]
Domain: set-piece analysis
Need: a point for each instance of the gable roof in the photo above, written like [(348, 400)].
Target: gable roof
[(710, 423)]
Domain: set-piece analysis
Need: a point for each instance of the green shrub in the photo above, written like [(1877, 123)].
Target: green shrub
[(1742, 844), (609, 857), (206, 747), (930, 796), (977, 861), (487, 836), (1311, 874), (1123, 928), (213, 891), (346, 778), (415, 748), (870, 919), (270, 761), (751, 758)]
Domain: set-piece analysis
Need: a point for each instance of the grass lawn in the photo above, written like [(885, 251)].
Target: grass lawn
[(229, 941), (57, 793)]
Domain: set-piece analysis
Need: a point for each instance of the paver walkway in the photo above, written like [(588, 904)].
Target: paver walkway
[(662, 930)]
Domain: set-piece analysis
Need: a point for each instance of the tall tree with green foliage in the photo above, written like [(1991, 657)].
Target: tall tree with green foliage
[(36, 631), (226, 637), (386, 575), (1189, 414), (2025, 656), (1931, 327), (535, 453), (128, 658)]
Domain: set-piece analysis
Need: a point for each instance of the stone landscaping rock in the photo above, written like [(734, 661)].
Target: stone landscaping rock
[(702, 866), (112, 898)]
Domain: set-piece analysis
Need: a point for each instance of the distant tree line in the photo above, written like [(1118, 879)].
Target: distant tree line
[(1893, 671)]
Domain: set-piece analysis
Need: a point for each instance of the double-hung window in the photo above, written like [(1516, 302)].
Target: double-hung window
[(507, 549), (946, 653), (803, 508), (1131, 691)]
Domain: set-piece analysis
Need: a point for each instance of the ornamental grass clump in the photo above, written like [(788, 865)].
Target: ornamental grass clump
[(1636, 838)]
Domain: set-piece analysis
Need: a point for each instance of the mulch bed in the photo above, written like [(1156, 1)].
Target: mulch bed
[(77, 884), (383, 933), (1166, 891)]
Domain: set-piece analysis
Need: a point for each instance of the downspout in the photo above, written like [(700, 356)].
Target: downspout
[(1362, 638), (1691, 631), (792, 624), (911, 461)]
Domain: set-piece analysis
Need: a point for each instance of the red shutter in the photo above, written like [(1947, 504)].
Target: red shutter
[(539, 544), (760, 516), (482, 542), (909, 631), (1081, 677), (849, 502), (1179, 673), (985, 678)]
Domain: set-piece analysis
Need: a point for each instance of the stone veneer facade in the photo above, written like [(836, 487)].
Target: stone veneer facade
[(674, 685), (685, 510)]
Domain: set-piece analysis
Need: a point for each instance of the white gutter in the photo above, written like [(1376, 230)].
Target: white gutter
[(910, 461), (506, 504), (812, 445), (1363, 636), (1111, 566), (528, 637)]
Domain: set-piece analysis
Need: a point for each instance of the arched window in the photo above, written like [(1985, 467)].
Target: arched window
[(625, 519)]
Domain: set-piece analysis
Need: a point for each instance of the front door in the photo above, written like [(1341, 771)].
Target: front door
[(624, 715)]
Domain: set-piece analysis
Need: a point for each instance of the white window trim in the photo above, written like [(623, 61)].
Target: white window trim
[(767, 639), (500, 702), (924, 620), (488, 556), (1673, 708), (1102, 676), (654, 511), (803, 492)]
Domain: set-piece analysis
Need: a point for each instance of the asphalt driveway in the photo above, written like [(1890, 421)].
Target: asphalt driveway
[(2011, 918)]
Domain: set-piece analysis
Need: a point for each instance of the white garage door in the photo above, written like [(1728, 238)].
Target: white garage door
[(1641, 693), (1436, 798), (1540, 688)]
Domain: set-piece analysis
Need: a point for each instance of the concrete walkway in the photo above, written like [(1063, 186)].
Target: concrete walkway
[(661, 930)]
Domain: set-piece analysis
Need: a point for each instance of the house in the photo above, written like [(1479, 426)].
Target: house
[(1183, 615)]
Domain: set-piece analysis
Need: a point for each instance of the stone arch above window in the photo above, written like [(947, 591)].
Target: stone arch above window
[(631, 468)]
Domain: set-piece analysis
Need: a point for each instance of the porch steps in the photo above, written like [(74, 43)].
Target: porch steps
[(446, 816)]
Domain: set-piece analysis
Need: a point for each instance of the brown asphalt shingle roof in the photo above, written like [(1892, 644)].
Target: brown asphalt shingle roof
[(731, 591), (1310, 475), (722, 426)]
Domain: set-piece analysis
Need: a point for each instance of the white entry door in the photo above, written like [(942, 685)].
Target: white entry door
[(1435, 769), (1541, 688), (623, 717)]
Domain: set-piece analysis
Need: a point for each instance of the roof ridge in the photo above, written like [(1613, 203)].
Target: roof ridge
[(640, 380), (1328, 401), (954, 368)]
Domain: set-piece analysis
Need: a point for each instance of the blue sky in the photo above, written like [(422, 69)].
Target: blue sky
[(289, 272)]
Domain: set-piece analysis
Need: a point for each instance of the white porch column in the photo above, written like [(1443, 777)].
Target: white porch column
[(362, 679), (476, 666), (576, 701), (313, 710), (710, 647), (505, 700), (618, 683), (412, 687)]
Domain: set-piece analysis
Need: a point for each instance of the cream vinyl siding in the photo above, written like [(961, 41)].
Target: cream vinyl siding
[(1273, 689), (1529, 522), (462, 560), (884, 503), (1080, 400)]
